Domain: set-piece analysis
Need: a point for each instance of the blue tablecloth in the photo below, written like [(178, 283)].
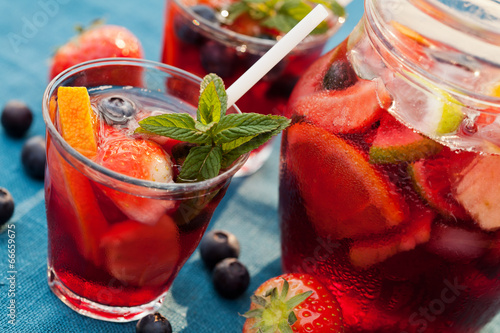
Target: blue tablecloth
[(30, 32)]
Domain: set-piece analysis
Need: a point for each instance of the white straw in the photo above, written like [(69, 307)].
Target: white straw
[(275, 54)]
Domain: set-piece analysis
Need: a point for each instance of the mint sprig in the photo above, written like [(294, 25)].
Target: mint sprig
[(281, 15), (221, 138)]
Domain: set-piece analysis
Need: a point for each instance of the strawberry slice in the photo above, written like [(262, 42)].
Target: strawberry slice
[(366, 253), (138, 158), (477, 189), (343, 193), (395, 143), (431, 179), (350, 110), (139, 254)]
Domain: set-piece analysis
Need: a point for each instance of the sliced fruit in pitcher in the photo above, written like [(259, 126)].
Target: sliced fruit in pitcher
[(349, 110), (477, 189), (343, 193), (395, 143), (77, 121), (368, 252), (142, 159), (431, 179), (139, 254), (457, 244)]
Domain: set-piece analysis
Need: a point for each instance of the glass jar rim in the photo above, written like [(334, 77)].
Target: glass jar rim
[(220, 33), (379, 30), (98, 170)]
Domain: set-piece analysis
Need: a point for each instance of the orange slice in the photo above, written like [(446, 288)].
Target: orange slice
[(77, 121)]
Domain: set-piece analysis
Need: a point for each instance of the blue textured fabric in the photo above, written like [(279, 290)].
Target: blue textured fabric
[(30, 32)]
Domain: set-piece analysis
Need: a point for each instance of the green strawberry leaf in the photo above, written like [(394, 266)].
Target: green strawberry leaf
[(178, 126), (203, 162)]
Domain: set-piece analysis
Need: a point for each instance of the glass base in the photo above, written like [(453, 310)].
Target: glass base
[(99, 311), (255, 160)]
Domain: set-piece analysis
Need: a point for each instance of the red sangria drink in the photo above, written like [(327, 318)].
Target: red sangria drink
[(389, 175), (227, 37), (121, 221)]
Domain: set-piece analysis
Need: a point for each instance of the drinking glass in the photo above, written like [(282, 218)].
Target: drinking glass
[(199, 46), (389, 179), (116, 243)]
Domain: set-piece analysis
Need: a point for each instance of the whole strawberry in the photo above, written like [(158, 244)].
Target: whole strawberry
[(293, 303), (99, 41)]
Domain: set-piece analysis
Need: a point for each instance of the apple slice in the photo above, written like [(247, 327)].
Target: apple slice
[(368, 252), (477, 189)]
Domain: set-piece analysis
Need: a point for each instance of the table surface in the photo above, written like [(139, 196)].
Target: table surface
[(30, 32)]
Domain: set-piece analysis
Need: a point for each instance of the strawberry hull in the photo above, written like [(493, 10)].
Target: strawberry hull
[(397, 225)]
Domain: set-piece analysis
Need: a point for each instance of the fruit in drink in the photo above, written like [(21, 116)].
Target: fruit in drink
[(388, 217), (344, 197)]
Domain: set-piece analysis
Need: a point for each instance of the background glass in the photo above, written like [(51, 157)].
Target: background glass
[(201, 47)]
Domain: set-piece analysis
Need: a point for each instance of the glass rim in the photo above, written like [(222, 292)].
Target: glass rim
[(310, 41), (167, 188)]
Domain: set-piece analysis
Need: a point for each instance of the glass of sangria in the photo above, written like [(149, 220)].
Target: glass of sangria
[(389, 174), (226, 38), (119, 227)]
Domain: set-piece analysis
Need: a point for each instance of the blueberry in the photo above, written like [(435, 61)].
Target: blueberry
[(339, 76), (218, 245), (116, 110), (217, 58), (186, 31), (230, 278), (33, 157), (16, 118), (6, 206), (153, 323)]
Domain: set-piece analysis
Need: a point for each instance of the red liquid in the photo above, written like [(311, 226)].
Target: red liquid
[(427, 271), (101, 255)]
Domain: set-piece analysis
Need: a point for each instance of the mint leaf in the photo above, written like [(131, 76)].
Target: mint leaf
[(281, 22), (220, 94), (281, 15), (178, 126), (336, 8), (235, 126), (221, 138), (203, 162)]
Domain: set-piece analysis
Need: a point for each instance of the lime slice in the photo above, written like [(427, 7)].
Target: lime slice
[(433, 111)]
